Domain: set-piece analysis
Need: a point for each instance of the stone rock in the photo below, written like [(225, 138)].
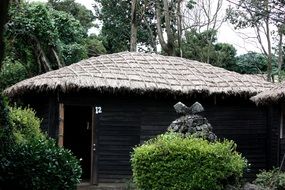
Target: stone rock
[(181, 108), (231, 187), (212, 136), (191, 123), (196, 108), (250, 186)]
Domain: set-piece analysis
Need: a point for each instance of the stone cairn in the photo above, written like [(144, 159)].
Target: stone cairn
[(190, 123)]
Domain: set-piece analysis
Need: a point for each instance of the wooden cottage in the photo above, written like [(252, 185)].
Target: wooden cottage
[(275, 97), (103, 106)]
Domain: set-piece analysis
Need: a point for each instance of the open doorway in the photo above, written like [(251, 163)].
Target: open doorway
[(77, 135)]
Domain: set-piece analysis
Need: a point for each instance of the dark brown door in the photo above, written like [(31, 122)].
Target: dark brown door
[(94, 156)]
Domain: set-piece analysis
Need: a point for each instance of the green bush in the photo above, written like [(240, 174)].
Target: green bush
[(39, 164), (25, 124), (28, 160), (5, 129), (273, 179), (171, 161), (11, 72)]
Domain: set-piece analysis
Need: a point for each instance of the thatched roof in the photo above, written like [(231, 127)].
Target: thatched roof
[(142, 72), (273, 95)]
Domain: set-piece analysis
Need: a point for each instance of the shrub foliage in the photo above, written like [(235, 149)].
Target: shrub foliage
[(273, 179), (39, 164), (171, 161), (28, 159), (25, 124)]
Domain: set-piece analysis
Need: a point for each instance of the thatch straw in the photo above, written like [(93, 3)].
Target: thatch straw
[(142, 72), (273, 95)]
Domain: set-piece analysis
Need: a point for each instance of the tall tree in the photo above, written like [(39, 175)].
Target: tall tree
[(165, 11), (205, 15), (78, 11), (116, 18), (218, 54), (47, 36), (39, 39), (259, 15), (153, 18)]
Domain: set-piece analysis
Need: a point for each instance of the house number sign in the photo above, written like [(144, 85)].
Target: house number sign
[(98, 110)]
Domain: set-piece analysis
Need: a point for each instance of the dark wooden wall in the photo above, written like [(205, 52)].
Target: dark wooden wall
[(282, 140), (129, 120), (118, 132)]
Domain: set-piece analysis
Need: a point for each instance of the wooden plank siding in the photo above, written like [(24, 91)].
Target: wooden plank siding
[(128, 120), (247, 126), (118, 133)]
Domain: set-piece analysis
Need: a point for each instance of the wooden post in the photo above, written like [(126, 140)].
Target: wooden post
[(94, 157), (280, 153), (61, 125)]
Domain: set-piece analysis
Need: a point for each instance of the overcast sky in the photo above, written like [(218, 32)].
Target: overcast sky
[(226, 33)]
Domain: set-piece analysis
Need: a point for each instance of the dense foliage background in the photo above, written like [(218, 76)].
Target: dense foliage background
[(45, 36)]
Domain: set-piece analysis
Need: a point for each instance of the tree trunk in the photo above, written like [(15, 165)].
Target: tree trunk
[(268, 38), (39, 52), (280, 53), (159, 27), (179, 27), (168, 46), (57, 58), (134, 27), (3, 18), (169, 32)]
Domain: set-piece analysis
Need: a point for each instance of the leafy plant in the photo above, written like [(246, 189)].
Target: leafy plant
[(6, 137), (171, 161), (27, 159), (11, 72), (273, 179), (39, 164), (25, 125)]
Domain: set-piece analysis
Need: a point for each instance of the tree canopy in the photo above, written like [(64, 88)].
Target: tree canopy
[(196, 46), (78, 11), (116, 27), (266, 17), (252, 63), (38, 33), (40, 38)]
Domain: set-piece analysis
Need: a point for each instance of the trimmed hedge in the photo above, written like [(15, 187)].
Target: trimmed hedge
[(172, 161)]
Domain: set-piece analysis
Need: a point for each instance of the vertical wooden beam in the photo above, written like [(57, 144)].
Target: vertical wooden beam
[(94, 156), (61, 125), (281, 121), (280, 153), (269, 138)]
